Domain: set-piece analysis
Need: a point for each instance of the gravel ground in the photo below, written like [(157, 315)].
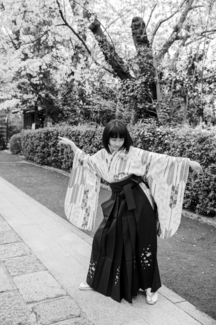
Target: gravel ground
[(187, 261)]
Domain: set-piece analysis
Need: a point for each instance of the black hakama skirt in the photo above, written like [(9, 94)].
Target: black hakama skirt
[(124, 249)]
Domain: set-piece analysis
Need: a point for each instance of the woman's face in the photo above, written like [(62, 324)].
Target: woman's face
[(116, 143)]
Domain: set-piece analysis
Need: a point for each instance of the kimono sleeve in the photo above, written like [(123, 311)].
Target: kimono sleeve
[(167, 177), (83, 191)]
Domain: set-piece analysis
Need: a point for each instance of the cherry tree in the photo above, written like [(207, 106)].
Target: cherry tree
[(140, 58)]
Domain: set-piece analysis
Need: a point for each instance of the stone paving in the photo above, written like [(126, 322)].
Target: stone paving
[(43, 259), (29, 294)]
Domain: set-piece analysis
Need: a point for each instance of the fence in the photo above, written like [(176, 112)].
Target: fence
[(3, 125)]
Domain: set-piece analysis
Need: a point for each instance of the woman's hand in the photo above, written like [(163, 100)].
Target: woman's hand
[(196, 167), (67, 142)]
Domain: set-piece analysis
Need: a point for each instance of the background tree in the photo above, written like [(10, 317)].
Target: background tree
[(85, 60)]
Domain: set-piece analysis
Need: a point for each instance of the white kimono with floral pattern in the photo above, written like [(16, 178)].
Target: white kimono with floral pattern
[(166, 178)]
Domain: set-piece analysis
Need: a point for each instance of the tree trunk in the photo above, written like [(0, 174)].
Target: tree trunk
[(141, 42), (144, 58), (36, 115), (145, 61), (186, 101), (111, 57), (148, 75)]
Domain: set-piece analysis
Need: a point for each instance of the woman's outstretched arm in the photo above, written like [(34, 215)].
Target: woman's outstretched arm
[(91, 162), (195, 166), (67, 142)]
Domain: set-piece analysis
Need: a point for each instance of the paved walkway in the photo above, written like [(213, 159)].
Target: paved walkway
[(43, 258)]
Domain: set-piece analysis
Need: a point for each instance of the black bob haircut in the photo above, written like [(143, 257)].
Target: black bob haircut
[(116, 129)]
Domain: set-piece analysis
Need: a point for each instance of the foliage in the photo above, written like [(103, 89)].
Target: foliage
[(15, 144), (89, 98), (51, 60), (190, 91), (13, 129), (2, 143), (32, 65), (41, 146), (197, 144)]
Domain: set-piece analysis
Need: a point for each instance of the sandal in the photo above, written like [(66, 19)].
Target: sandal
[(84, 286), (151, 297)]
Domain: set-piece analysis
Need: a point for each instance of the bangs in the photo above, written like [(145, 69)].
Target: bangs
[(118, 131)]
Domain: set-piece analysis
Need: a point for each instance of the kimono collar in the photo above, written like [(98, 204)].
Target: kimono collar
[(120, 153)]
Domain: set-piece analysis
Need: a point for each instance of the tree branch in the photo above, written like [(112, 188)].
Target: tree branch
[(150, 111), (81, 40), (35, 40), (112, 58), (152, 11), (200, 36), (23, 12), (60, 25), (120, 16), (13, 43), (195, 7), (2, 7), (176, 56), (71, 28), (175, 31), (113, 8), (163, 21), (197, 40), (88, 13), (205, 51), (212, 31), (2, 50)]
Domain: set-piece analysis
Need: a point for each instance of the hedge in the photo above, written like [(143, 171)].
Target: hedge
[(41, 147), (196, 144), (15, 144)]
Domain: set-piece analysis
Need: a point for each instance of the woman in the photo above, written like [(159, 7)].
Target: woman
[(124, 249)]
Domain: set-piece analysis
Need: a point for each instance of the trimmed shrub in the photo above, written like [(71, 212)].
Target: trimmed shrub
[(15, 144), (41, 147), (196, 144)]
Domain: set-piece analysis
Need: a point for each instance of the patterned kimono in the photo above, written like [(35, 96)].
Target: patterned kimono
[(146, 187)]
